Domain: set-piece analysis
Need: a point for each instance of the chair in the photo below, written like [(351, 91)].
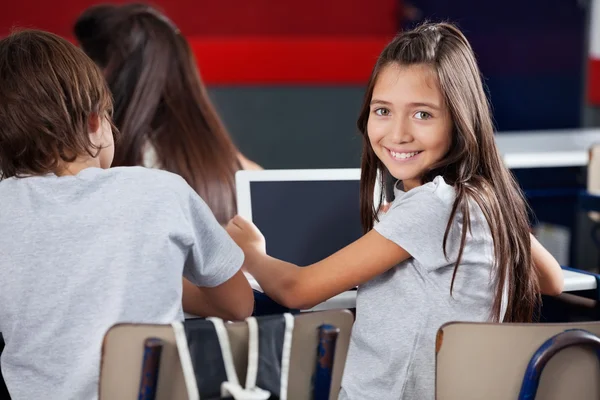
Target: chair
[(489, 361), (122, 355)]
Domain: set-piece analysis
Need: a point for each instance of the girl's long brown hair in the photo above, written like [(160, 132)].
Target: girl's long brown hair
[(159, 99), (473, 165)]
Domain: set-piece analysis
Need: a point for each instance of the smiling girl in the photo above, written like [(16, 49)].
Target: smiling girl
[(454, 244)]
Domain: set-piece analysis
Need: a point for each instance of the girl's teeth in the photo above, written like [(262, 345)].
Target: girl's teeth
[(403, 155)]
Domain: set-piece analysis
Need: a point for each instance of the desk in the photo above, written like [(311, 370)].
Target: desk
[(544, 149), (574, 281), (550, 167)]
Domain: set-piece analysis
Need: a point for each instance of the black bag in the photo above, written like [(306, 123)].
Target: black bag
[(269, 348)]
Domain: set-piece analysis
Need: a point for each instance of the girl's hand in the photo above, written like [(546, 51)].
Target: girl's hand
[(247, 236)]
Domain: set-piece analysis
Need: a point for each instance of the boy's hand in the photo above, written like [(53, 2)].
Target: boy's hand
[(247, 236)]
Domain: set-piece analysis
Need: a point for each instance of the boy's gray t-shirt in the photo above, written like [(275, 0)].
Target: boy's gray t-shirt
[(398, 314), (81, 253)]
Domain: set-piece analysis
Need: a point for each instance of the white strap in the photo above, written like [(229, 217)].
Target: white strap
[(186, 361), (239, 393), (252, 371), (225, 350), (232, 386), (286, 355)]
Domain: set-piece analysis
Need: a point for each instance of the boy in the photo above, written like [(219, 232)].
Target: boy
[(83, 246)]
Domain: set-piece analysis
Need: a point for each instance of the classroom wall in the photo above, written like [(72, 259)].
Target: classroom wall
[(532, 55), (288, 77), (294, 127)]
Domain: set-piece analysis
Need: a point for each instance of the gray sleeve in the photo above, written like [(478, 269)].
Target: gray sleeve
[(417, 223), (213, 257)]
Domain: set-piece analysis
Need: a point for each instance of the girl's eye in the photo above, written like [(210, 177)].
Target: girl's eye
[(382, 112), (422, 115)]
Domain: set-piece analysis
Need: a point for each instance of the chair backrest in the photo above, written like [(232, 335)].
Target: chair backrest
[(122, 355), (488, 361), (121, 363), (304, 350)]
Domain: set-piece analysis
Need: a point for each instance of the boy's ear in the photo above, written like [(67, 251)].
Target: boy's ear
[(94, 123)]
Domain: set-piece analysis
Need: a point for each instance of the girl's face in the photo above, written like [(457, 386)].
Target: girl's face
[(409, 126)]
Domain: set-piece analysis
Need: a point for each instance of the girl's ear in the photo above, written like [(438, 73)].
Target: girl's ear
[(94, 123)]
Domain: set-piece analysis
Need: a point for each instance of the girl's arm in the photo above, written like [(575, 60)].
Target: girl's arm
[(305, 287), (548, 270)]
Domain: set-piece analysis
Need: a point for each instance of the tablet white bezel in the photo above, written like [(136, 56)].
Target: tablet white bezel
[(244, 178)]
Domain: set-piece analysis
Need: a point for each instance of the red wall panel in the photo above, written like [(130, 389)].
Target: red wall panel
[(266, 61), (233, 17), (254, 42)]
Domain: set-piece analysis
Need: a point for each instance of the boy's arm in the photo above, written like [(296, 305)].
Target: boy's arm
[(231, 300), (548, 270), (214, 284)]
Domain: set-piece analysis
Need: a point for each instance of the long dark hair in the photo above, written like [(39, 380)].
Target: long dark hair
[(473, 165), (160, 100)]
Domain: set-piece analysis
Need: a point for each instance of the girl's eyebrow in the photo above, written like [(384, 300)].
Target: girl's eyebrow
[(415, 104), (425, 104), (380, 102)]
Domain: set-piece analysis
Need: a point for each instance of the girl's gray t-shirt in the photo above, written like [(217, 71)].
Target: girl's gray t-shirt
[(81, 253), (398, 314)]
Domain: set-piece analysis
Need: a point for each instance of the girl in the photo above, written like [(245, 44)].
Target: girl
[(453, 245), (161, 104), (162, 107)]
